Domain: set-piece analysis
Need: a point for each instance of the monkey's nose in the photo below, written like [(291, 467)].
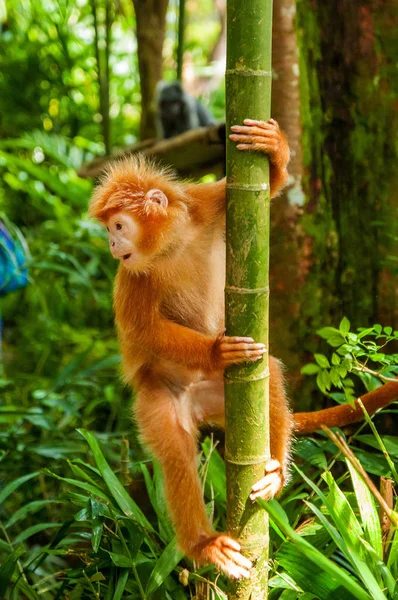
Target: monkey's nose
[(113, 244)]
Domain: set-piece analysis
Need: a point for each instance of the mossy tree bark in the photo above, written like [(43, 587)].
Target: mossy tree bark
[(151, 28), (248, 92), (349, 95)]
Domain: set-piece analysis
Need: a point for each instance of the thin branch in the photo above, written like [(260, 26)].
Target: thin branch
[(363, 369)]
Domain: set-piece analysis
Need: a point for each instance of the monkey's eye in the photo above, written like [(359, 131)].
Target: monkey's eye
[(118, 226)]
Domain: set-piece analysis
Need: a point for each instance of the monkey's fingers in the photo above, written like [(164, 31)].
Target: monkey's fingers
[(224, 552), (233, 339), (232, 358), (252, 138), (270, 485), (236, 347), (270, 124)]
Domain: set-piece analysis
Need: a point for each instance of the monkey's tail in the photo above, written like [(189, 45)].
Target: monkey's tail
[(338, 416)]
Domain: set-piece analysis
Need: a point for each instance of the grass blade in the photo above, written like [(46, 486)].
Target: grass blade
[(167, 562), (124, 501)]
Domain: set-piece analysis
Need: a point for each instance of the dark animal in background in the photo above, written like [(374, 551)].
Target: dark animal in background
[(177, 111)]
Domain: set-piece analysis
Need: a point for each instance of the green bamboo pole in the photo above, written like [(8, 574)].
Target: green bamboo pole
[(248, 95)]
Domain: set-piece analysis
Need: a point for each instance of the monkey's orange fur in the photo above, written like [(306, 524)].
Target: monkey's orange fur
[(169, 315)]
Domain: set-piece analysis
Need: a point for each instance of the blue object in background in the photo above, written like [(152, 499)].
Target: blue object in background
[(13, 270)]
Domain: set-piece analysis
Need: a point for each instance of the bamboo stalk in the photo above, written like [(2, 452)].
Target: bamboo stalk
[(248, 95)]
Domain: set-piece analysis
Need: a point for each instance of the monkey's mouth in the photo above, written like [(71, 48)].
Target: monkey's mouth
[(126, 256)]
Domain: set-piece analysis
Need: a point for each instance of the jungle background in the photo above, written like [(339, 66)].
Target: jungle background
[(81, 508)]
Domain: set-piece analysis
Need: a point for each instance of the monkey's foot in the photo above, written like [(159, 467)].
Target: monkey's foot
[(263, 137), (223, 552), (270, 485)]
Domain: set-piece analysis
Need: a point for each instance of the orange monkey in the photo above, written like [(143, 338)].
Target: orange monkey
[(169, 311)]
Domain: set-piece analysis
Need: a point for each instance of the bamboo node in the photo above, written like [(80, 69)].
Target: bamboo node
[(255, 460), (231, 289), (246, 72), (248, 378), (258, 187)]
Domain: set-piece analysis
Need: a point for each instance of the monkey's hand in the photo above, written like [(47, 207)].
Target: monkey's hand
[(264, 137), (224, 552), (229, 351), (270, 485)]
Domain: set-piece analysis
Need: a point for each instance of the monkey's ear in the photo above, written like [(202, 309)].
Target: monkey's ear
[(155, 199)]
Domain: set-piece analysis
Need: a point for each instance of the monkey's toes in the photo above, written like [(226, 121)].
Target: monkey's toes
[(270, 485), (224, 553)]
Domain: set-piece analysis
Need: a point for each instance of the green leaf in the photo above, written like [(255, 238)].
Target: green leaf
[(344, 326), (327, 332), (312, 554), (11, 487), (310, 369), (120, 560), (121, 584), (322, 361), (392, 563), (368, 511), (390, 442), (335, 359), (96, 535), (24, 535), (127, 504), (28, 509), (167, 562), (91, 489), (387, 330), (309, 451), (7, 570)]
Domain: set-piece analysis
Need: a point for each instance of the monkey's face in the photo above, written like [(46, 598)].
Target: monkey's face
[(136, 237), (123, 234)]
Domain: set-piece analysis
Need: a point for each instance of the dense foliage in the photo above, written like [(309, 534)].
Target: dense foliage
[(82, 513)]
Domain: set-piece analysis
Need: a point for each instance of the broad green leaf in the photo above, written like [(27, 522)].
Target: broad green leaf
[(322, 361), (120, 560), (344, 326), (167, 562), (390, 442), (311, 452), (351, 532), (96, 535), (327, 332), (310, 369), (312, 554), (368, 511)]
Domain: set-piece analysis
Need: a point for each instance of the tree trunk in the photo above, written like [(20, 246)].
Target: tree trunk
[(181, 40), (151, 28), (287, 273), (248, 90), (350, 126)]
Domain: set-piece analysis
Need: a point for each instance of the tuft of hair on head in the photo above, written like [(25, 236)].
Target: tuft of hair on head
[(124, 183)]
